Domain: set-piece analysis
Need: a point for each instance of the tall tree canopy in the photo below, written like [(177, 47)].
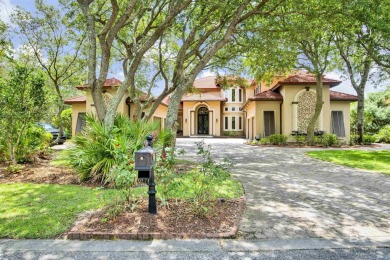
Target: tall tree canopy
[(56, 46)]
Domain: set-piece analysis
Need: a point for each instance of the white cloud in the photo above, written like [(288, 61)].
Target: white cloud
[(6, 9)]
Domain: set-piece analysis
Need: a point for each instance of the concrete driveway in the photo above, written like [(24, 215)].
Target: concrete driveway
[(290, 195)]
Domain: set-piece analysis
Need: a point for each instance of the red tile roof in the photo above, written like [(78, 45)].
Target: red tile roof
[(338, 96), (207, 96), (167, 100), (206, 83), (80, 99), (267, 95), (112, 82), (303, 77)]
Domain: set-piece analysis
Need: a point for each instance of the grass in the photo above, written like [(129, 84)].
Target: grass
[(367, 160), (44, 211)]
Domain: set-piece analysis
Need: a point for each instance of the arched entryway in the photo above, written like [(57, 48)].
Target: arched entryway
[(203, 121)]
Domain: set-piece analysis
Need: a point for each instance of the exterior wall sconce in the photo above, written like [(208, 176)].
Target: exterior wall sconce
[(185, 120), (307, 88), (216, 120)]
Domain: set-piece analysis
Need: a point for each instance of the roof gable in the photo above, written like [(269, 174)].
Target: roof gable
[(111, 82), (303, 77), (80, 99), (338, 96), (267, 95)]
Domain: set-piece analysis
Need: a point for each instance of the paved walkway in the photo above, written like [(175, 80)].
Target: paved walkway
[(290, 195)]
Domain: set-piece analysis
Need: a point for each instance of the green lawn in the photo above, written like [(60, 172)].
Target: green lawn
[(367, 160), (44, 211)]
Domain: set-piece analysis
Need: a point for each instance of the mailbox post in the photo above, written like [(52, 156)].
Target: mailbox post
[(145, 160)]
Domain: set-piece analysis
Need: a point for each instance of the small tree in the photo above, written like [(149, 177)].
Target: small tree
[(56, 47), (22, 102)]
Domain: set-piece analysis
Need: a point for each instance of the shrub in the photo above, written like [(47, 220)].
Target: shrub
[(369, 139), (278, 139), (103, 154), (298, 138), (66, 117), (230, 133), (329, 140), (264, 140), (197, 185), (35, 142), (384, 135)]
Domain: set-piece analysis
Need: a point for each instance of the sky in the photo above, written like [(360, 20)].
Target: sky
[(6, 7)]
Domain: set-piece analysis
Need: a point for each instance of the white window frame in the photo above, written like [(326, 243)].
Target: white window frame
[(226, 126)]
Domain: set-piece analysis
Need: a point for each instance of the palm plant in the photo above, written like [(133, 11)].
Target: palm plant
[(97, 149)]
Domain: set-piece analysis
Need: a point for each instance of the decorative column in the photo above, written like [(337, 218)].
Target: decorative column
[(295, 115), (192, 122), (211, 123)]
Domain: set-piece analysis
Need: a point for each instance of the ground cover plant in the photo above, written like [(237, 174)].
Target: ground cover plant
[(193, 197), (44, 211), (366, 160), (106, 156)]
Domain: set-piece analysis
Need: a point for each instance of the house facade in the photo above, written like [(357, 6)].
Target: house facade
[(258, 110)]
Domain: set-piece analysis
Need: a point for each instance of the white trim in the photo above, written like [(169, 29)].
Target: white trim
[(295, 116), (230, 123)]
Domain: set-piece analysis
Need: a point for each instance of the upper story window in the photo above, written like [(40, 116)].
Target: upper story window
[(233, 108), (226, 109), (257, 89), (239, 95), (233, 95)]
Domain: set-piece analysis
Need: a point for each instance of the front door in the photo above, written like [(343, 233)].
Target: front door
[(203, 121)]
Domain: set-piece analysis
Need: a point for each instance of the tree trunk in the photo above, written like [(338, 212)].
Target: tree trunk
[(317, 111), (12, 152), (60, 124), (360, 116), (173, 109)]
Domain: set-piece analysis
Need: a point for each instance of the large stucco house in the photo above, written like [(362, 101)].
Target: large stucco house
[(282, 107)]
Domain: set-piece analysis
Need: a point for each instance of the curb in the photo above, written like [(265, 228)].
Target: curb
[(75, 234)]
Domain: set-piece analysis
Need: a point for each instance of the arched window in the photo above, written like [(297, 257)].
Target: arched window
[(203, 110)]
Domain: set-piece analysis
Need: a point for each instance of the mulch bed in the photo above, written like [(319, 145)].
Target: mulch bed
[(177, 220), (41, 171)]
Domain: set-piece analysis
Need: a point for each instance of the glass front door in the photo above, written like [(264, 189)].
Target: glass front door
[(203, 121)]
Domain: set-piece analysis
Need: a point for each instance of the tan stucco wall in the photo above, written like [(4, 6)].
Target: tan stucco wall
[(289, 93), (190, 117), (122, 108), (250, 122), (76, 109), (345, 107), (161, 112)]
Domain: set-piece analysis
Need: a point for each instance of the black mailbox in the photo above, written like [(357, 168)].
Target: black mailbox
[(144, 162)]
